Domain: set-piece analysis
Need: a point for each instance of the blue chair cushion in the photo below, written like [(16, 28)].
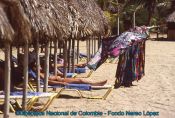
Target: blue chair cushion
[(77, 70), (86, 87)]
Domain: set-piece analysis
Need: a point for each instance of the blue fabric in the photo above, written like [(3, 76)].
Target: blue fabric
[(81, 55), (80, 70), (33, 75), (14, 59), (69, 75), (19, 93), (86, 87), (77, 70)]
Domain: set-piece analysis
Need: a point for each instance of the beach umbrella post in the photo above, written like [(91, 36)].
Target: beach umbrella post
[(89, 55), (78, 50), (55, 56), (69, 55), (92, 46), (7, 80), (95, 45), (46, 66), (65, 58), (87, 50), (38, 65), (134, 19), (25, 72), (73, 56)]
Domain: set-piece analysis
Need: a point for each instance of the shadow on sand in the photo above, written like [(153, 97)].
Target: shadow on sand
[(162, 39)]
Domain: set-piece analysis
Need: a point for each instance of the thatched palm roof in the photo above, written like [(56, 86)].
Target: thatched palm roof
[(171, 17), (48, 18), (88, 18), (19, 22), (61, 15), (98, 18), (6, 30), (63, 19), (15, 23)]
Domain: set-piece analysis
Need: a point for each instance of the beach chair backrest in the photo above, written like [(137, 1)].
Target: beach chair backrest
[(33, 75)]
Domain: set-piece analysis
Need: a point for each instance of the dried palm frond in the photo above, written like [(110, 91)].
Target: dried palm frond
[(6, 30)]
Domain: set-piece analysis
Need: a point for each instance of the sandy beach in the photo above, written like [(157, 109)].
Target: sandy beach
[(155, 92)]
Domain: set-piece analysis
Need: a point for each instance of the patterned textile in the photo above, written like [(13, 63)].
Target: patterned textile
[(126, 38), (112, 46), (131, 64)]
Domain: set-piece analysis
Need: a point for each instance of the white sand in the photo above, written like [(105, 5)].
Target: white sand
[(154, 92)]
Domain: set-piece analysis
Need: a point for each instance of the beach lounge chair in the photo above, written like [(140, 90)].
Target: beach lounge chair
[(10, 106), (79, 88), (78, 70), (74, 87), (32, 98)]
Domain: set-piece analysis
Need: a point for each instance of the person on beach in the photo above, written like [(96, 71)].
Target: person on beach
[(57, 80)]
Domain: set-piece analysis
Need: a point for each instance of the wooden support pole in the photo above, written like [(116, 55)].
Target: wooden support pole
[(95, 44), (73, 56), (134, 19), (99, 42), (87, 49), (60, 52), (46, 67), (118, 20), (89, 55), (7, 80), (69, 55), (78, 50), (50, 47), (38, 66), (25, 73), (55, 57), (118, 25), (65, 58), (12, 65), (92, 46)]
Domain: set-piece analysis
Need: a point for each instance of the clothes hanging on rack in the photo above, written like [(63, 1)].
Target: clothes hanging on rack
[(111, 47), (131, 64)]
